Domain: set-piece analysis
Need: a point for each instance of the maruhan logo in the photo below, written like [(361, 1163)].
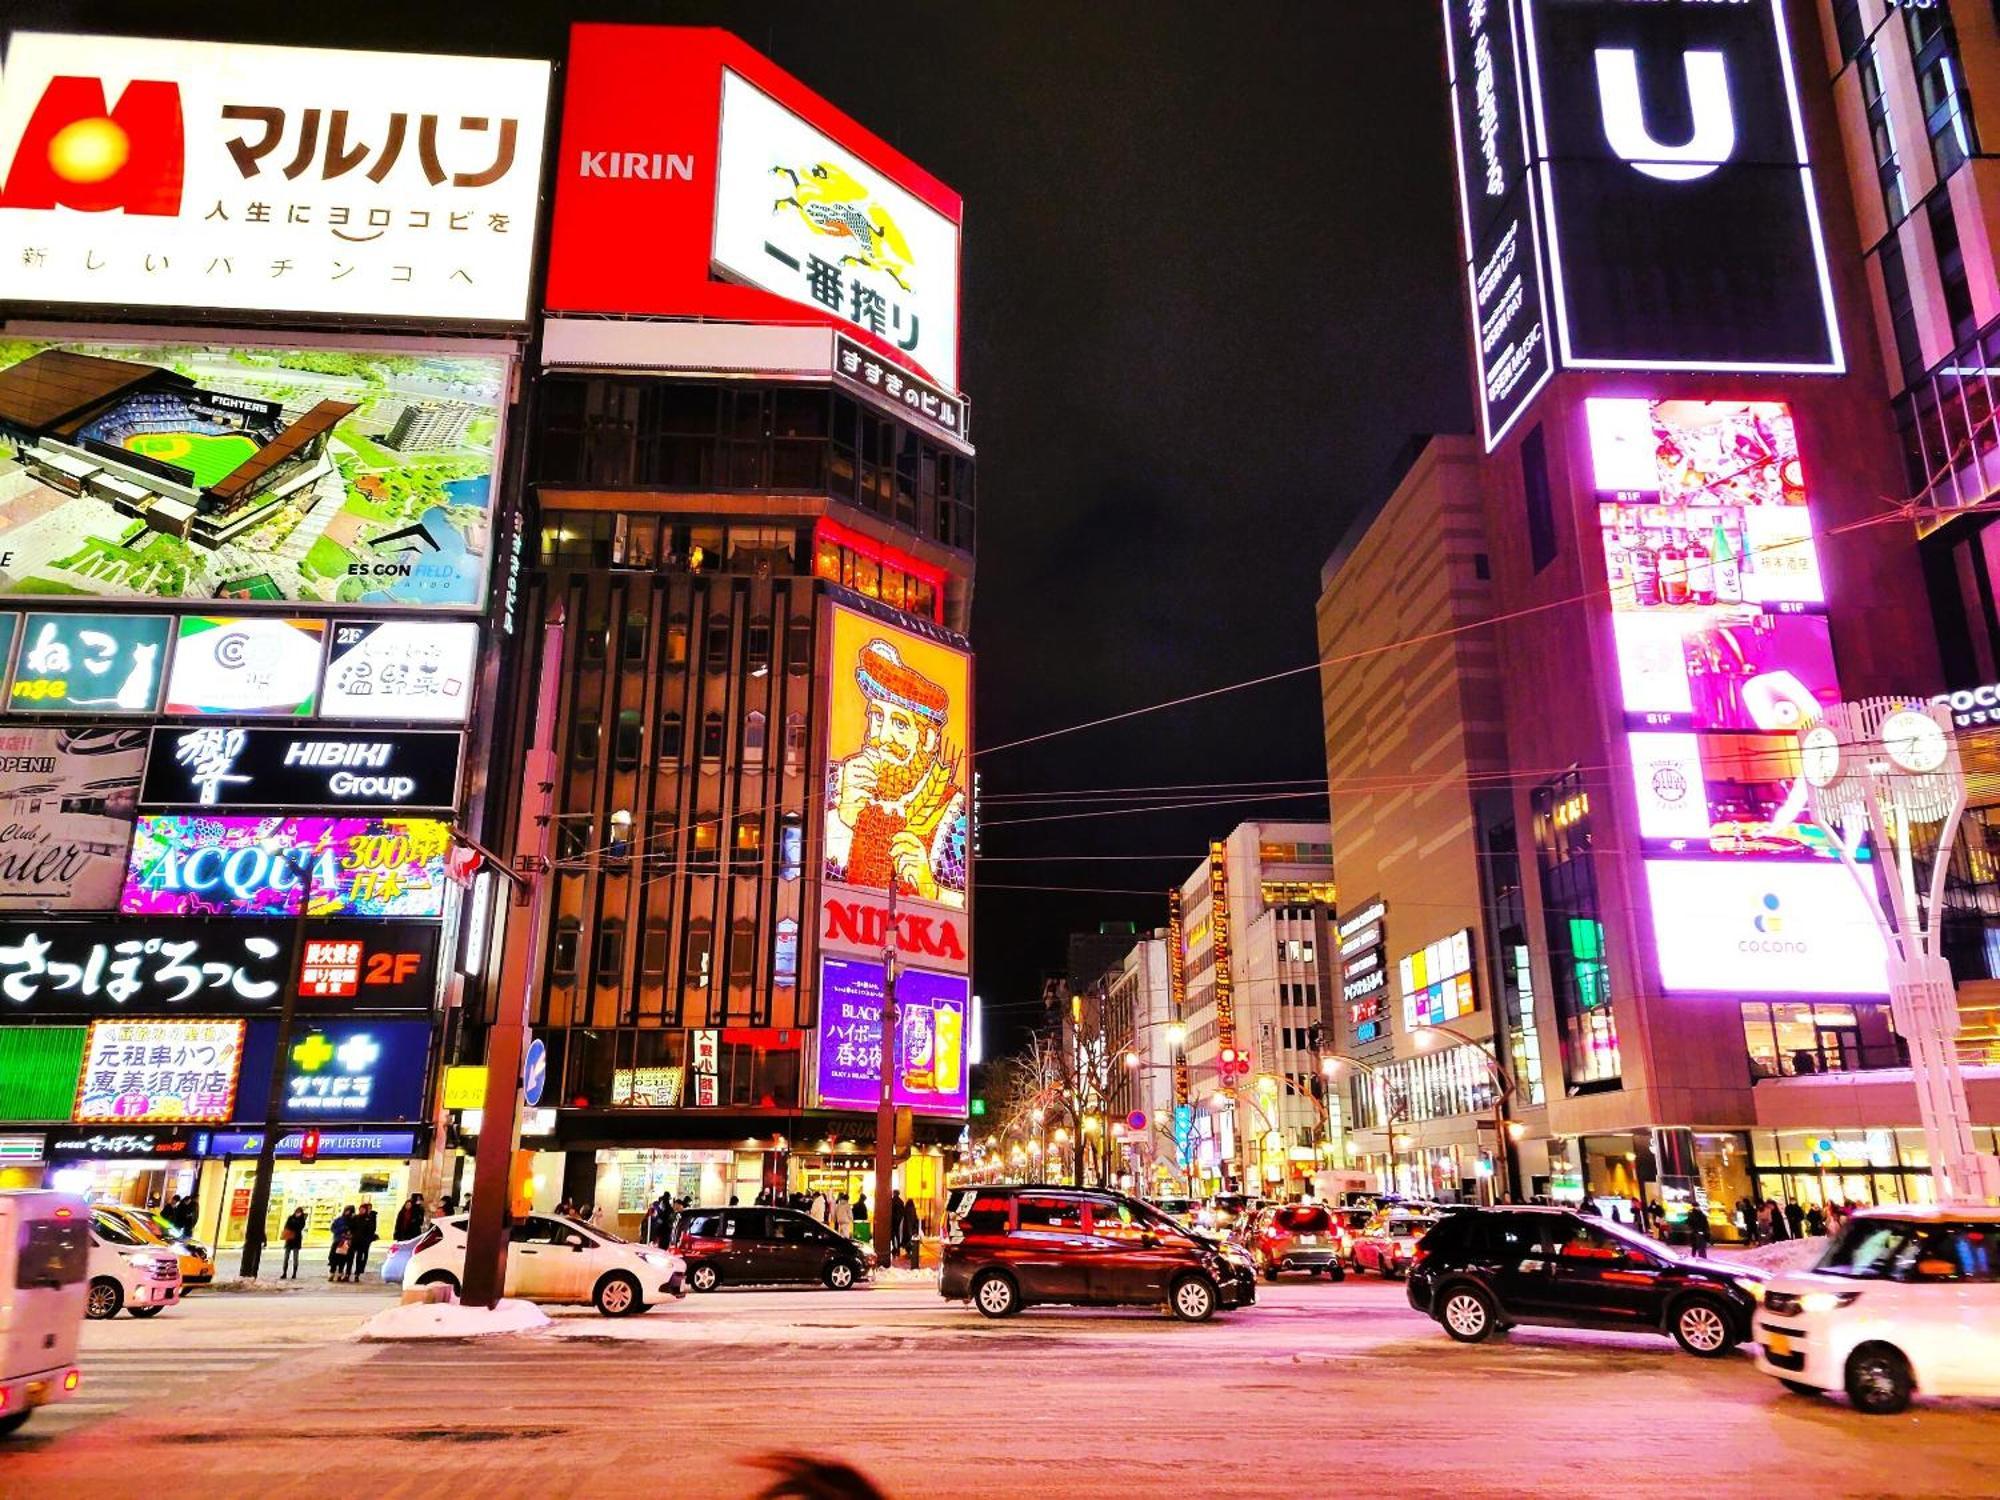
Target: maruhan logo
[(649, 166)]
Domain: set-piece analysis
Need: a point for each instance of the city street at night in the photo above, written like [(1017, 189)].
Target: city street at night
[(272, 1396)]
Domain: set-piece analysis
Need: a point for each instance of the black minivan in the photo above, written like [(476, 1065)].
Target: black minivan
[(1482, 1270)]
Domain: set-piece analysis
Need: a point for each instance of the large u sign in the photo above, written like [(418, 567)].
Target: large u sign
[(1714, 135)]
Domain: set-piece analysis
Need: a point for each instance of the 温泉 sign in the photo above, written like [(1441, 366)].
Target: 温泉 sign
[(89, 664), (1760, 927), (899, 729), (285, 768), (930, 1037), (1671, 155), (158, 1072), (343, 1070), (154, 173), (184, 864), (1437, 981), (309, 476), (801, 216), (67, 798), (140, 966), (1502, 240), (401, 669), (254, 666)]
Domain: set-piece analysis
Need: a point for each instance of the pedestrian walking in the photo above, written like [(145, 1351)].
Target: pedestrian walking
[(1697, 1230), (410, 1218), (843, 1216), (1795, 1219), (818, 1208), (447, 1206), (340, 1249), (666, 1221), (365, 1232), (895, 1213), (912, 1231), (293, 1236), (1816, 1221)]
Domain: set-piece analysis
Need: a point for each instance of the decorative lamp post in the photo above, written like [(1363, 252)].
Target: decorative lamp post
[(1882, 765)]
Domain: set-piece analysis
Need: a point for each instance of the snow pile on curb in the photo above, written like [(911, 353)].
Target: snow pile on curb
[(903, 1276), (1781, 1255), (453, 1320)]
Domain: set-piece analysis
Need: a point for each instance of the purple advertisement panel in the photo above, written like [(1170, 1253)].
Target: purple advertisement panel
[(185, 864), (930, 1037)]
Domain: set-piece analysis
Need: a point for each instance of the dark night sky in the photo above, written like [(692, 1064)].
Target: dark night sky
[(1210, 290)]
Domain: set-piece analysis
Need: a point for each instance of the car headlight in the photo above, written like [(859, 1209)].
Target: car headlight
[(655, 1258), (1824, 1302)]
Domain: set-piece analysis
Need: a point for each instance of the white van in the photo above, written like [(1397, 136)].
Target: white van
[(44, 1267)]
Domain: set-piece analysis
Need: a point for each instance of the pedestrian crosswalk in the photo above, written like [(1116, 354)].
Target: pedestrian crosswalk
[(148, 1380)]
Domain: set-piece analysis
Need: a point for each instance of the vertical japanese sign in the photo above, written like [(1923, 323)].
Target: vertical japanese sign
[(159, 1072), (1177, 993), (146, 172), (1218, 918)]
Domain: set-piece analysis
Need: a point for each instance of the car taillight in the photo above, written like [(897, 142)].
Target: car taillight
[(72, 1380), (428, 1238), (1418, 1255)]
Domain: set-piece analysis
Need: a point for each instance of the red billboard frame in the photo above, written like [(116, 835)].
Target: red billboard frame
[(645, 103)]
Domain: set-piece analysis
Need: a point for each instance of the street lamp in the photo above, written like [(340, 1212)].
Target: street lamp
[(1882, 764), (1503, 1089)]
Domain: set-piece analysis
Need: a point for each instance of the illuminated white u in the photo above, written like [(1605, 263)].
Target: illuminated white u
[(1714, 136)]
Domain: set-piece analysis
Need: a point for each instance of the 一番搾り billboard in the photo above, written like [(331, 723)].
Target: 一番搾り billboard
[(757, 201), (333, 476), (142, 171)]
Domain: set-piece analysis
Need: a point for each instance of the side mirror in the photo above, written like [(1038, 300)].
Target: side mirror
[(578, 1242)]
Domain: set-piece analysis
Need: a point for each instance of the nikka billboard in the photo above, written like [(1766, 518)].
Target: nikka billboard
[(139, 171)]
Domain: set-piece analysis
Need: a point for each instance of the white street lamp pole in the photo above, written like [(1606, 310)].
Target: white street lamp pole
[(1883, 764)]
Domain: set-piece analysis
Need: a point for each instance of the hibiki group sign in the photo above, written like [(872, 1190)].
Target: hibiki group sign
[(209, 766), (187, 865), (140, 171), (309, 476)]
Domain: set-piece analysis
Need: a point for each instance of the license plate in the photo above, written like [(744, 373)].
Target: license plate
[(1777, 1343), (1308, 1239)]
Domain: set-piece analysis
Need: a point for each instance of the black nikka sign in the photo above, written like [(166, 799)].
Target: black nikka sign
[(209, 766)]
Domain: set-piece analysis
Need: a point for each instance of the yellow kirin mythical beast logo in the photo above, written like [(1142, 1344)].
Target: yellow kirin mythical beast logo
[(833, 203)]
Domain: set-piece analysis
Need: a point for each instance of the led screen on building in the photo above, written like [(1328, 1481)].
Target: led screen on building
[(311, 476), (88, 664), (214, 766), (899, 737), (400, 669), (139, 171), (930, 1037), (341, 1070), (254, 666), (1764, 927), (158, 1072), (184, 864), (1437, 982), (67, 799)]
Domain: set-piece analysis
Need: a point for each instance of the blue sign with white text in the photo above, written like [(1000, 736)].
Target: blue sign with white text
[(339, 1071)]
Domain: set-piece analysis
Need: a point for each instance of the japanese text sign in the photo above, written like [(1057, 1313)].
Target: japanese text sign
[(159, 1072), (155, 173), (344, 1069), (101, 664), (402, 669)]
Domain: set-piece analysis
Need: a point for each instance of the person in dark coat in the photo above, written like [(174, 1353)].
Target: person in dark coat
[(1697, 1230), (365, 1234), (895, 1213), (666, 1222), (912, 1233), (1795, 1219), (410, 1218), (293, 1235), (340, 1248)]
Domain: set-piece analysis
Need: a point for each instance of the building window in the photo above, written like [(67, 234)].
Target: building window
[(1947, 111), (715, 653), (702, 838), (572, 838), (653, 948), (1847, 25), (1797, 1040), (634, 646), (742, 952), (757, 647), (1509, 965), (1541, 506), (671, 729), (610, 950), (1882, 135), (662, 838), (798, 647), (700, 953), (584, 738), (626, 746), (753, 738), (618, 848), (795, 743), (711, 735), (595, 638), (749, 838), (1951, 267), (791, 846), (562, 957), (677, 643), (1902, 310), (1578, 964)]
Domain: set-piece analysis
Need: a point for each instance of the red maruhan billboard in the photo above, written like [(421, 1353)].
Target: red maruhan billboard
[(698, 179)]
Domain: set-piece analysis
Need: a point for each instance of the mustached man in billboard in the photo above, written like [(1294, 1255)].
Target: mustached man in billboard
[(898, 807)]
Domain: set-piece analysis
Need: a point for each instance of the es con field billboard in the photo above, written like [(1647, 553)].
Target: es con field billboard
[(138, 171), (250, 474), (756, 200)]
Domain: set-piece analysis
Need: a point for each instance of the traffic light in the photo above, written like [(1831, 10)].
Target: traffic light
[(309, 1147), (1231, 1064)]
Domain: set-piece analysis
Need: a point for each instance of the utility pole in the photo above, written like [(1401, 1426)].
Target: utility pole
[(274, 1098), (520, 972), (885, 1104)]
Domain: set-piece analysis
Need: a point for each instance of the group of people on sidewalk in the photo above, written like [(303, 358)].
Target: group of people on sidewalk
[(351, 1236), (1767, 1221)]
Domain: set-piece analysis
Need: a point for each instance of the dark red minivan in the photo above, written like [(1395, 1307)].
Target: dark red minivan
[(1010, 1247)]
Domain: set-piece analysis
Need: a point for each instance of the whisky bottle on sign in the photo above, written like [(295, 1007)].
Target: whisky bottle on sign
[(1673, 570)]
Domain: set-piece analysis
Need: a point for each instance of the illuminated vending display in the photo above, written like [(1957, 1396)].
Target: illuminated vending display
[(1718, 615)]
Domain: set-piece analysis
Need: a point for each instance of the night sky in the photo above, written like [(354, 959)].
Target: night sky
[(1210, 291)]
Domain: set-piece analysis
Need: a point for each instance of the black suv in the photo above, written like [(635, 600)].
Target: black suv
[(1483, 1270)]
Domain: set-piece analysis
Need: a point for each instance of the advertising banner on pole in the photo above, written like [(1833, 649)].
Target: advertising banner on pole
[(147, 172)]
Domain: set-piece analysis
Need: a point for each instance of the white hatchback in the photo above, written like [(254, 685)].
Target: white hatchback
[(551, 1259), (130, 1274), (1904, 1300)]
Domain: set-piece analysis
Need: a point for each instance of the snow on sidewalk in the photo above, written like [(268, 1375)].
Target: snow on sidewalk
[(1778, 1256), (453, 1320)]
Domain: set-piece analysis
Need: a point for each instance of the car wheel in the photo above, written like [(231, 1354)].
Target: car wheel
[(618, 1296), (838, 1275), (996, 1295), (1799, 1387), (1701, 1326), (704, 1277), (13, 1421), (1335, 1273), (147, 1312), (106, 1297), (1467, 1314), (1270, 1273), (1878, 1380), (439, 1278), (1193, 1299)]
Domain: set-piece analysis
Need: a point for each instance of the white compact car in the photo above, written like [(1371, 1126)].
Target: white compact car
[(140, 1278), (1904, 1300), (551, 1259)]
